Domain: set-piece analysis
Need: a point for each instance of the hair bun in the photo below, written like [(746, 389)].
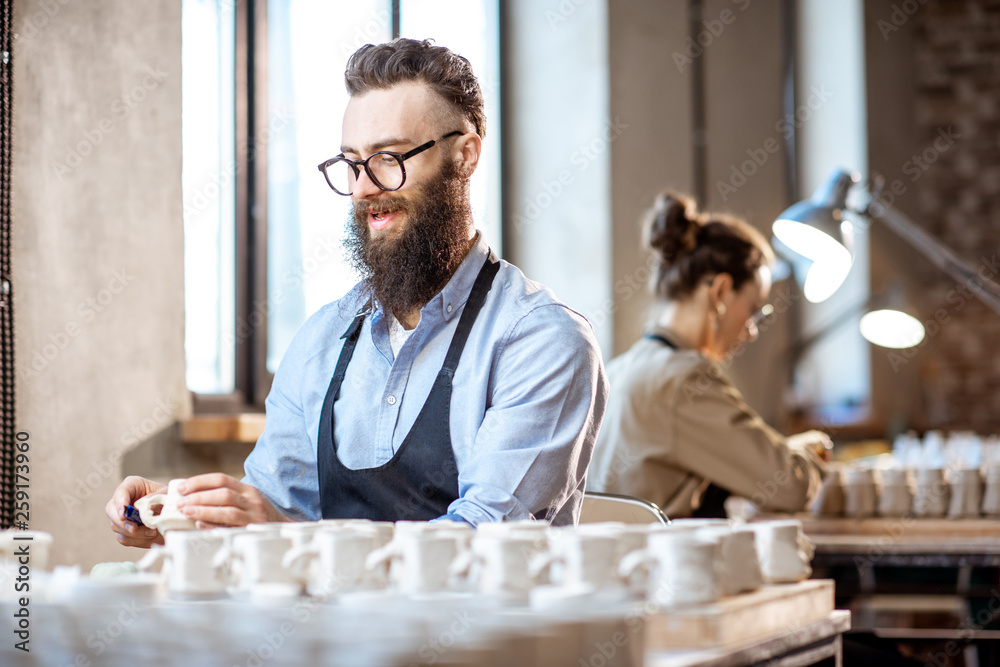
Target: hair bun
[(672, 226)]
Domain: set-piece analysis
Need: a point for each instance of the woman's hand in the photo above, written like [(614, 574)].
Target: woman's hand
[(816, 442)]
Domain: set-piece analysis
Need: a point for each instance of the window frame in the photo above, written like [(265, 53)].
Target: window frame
[(252, 380)]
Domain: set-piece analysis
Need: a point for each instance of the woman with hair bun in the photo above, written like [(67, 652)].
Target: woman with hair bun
[(677, 432)]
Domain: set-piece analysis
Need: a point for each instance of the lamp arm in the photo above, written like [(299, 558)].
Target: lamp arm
[(799, 347), (940, 255)]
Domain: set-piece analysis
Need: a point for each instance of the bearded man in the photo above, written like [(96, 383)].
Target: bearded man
[(445, 385)]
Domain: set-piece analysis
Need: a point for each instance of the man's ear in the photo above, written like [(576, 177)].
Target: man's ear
[(466, 152)]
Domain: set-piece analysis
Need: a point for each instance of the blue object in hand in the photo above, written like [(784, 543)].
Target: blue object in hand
[(132, 514)]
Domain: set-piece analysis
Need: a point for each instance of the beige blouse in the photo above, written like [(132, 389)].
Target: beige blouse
[(675, 422)]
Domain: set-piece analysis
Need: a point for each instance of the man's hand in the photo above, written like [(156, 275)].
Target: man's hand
[(129, 534), (215, 500)]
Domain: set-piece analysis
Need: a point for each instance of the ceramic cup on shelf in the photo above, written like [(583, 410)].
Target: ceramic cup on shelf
[(785, 553), (739, 565), (333, 561), (931, 493), (895, 498), (578, 557), (191, 569), (682, 568), (859, 493), (14, 543), (966, 494), (829, 501), (419, 560), (255, 558), (991, 494), (159, 510), (499, 565)]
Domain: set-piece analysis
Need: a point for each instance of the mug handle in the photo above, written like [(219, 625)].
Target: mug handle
[(541, 563), (155, 555), (145, 506), (633, 561), (222, 556), (462, 564), (297, 559), (381, 555)]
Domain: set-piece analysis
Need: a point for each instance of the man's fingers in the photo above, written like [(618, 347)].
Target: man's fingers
[(215, 497), (208, 481), (218, 515)]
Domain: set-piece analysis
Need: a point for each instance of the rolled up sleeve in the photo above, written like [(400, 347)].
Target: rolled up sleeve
[(547, 400), (282, 464), (720, 438)]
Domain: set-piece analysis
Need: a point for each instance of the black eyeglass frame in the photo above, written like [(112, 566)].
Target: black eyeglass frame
[(356, 165)]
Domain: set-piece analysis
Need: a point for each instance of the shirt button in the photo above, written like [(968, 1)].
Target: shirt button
[(449, 307), (391, 400)]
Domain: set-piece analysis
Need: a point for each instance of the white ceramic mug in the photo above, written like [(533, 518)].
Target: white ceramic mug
[(419, 560), (860, 494), (193, 570), (966, 494), (504, 565), (333, 562), (895, 497), (784, 551), (583, 559), (739, 565), (931, 494), (25, 547), (682, 568), (991, 495), (829, 501), (630, 537), (256, 558), (301, 533), (159, 510)]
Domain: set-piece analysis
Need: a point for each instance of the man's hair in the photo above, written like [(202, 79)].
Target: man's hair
[(381, 66)]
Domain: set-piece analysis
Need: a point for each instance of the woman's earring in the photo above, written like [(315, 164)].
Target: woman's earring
[(720, 310)]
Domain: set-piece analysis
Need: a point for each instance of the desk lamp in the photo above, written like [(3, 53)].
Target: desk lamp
[(820, 230)]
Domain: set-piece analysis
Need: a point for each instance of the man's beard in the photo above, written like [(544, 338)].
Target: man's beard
[(407, 269)]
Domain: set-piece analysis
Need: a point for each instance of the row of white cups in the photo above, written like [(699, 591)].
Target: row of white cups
[(513, 563), (859, 492)]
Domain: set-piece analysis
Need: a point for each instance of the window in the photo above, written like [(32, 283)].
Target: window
[(209, 194), (833, 378), (265, 253)]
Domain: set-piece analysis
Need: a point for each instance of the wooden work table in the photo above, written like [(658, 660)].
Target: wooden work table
[(915, 580)]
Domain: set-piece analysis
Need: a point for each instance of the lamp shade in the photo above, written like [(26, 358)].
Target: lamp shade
[(892, 328), (818, 230)]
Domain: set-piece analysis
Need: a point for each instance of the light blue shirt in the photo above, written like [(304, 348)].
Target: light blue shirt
[(528, 399)]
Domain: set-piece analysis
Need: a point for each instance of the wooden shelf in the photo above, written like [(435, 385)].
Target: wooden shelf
[(245, 427)]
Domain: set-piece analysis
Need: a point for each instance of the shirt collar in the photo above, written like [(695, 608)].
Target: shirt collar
[(449, 301), (678, 342)]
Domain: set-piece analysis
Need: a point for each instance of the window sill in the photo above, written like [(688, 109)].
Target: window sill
[(245, 427)]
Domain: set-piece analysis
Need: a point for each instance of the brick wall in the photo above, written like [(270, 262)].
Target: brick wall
[(957, 185)]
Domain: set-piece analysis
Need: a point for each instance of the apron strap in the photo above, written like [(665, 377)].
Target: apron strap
[(477, 297), (352, 335)]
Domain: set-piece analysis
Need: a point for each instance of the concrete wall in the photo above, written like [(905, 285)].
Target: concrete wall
[(558, 138), (97, 253), (653, 71)]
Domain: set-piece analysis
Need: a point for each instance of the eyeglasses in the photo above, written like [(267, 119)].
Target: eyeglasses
[(754, 320), (385, 168)]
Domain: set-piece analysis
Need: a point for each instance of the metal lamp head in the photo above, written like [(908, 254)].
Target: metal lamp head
[(892, 321), (818, 230)]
